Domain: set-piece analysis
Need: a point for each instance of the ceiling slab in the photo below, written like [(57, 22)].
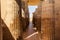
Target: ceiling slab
[(33, 2)]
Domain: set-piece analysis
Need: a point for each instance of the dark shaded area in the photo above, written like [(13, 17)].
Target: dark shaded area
[(19, 3), (20, 17), (23, 21), (26, 19), (37, 21), (6, 33)]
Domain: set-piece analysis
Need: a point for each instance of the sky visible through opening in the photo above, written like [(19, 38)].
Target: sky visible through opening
[(31, 10)]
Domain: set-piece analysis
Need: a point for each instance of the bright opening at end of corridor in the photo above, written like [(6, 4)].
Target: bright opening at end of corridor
[(31, 10)]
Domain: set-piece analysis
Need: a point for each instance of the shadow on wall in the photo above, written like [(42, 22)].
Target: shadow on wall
[(6, 33), (19, 3)]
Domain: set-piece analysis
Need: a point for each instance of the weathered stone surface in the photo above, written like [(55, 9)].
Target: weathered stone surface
[(0, 24), (57, 21), (43, 19), (25, 14), (10, 14), (1, 38), (0, 33)]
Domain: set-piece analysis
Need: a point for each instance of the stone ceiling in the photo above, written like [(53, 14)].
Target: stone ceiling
[(33, 2)]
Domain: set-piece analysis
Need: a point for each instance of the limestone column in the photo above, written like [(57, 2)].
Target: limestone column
[(57, 16), (37, 19), (47, 21), (11, 15), (25, 7), (25, 13), (1, 32), (1, 38)]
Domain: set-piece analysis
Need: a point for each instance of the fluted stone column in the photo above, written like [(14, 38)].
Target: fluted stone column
[(57, 16), (25, 13), (11, 15), (44, 20), (1, 32), (47, 20), (25, 7), (37, 19)]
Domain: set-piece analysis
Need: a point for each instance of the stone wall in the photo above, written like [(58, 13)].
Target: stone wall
[(25, 13)]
